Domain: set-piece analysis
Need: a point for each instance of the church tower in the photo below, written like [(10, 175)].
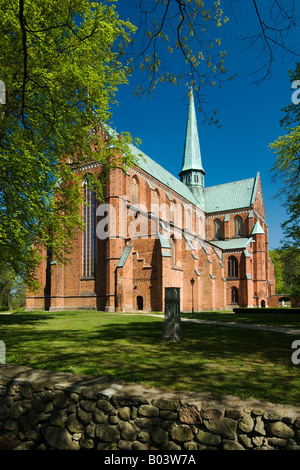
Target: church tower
[(192, 172)]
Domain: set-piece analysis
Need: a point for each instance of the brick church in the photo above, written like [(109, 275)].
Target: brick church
[(154, 231)]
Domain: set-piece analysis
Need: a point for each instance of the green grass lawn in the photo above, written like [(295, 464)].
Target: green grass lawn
[(218, 359)]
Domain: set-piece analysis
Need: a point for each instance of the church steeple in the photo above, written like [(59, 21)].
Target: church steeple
[(192, 172)]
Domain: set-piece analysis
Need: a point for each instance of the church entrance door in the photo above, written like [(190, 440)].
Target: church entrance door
[(140, 302)]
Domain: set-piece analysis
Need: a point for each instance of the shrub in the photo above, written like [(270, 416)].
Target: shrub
[(266, 310)]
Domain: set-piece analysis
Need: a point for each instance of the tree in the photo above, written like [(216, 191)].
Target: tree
[(62, 62), (281, 287), (287, 272), (287, 169), (61, 68), (276, 21), (12, 292), (191, 31)]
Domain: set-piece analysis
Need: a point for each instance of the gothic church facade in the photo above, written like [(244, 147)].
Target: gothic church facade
[(156, 231)]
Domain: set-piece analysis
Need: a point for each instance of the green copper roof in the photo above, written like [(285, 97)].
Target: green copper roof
[(192, 155), (230, 195), (124, 256), (223, 197), (164, 241), (233, 243), (257, 229), (158, 172)]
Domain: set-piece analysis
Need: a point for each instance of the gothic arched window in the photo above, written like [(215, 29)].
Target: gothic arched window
[(232, 267), (173, 250), (89, 235), (218, 229), (238, 226), (234, 295), (173, 212), (156, 197), (156, 202), (134, 191)]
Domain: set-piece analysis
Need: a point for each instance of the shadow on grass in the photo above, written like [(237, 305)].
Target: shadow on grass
[(219, 359), (20, 318)]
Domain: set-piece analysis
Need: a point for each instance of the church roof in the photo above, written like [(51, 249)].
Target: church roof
[(158, 172), (233, 243), (124, 256), (230, 196), (192, 155), (223, 197), (257, 229)]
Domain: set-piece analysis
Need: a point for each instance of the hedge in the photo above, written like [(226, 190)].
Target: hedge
[(266, 310)]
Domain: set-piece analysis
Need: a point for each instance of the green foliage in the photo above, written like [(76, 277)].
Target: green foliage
[(281, 284), (271, 310), (12, 291), (59, 62), (184, 32), (287, 169), (287, 270)]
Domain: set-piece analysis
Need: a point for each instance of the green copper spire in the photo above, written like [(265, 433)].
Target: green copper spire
[(192, 155), (192, 172)]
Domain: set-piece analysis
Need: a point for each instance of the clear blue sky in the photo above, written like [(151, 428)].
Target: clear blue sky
[(249, 115)]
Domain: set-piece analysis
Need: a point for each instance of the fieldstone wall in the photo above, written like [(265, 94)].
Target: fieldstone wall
[(48, 410)]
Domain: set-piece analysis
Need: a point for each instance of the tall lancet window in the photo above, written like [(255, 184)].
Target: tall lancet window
[(217, 229), (238, 226), (89, 236), (173, 250), (156, 202), (134, 191)]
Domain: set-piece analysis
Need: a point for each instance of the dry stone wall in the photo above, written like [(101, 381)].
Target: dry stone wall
[(49, 410)]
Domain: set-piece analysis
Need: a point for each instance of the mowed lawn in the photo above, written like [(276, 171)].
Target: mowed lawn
[(213, 358)]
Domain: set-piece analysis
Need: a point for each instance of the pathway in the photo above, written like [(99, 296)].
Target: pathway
[(276, 329)]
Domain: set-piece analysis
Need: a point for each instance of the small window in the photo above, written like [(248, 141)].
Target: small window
[(156, 197), (232, 267), (173, 251), (156, 202), (238, 226), (234, 295), (134, 191), (173, 212), (218, 229)]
